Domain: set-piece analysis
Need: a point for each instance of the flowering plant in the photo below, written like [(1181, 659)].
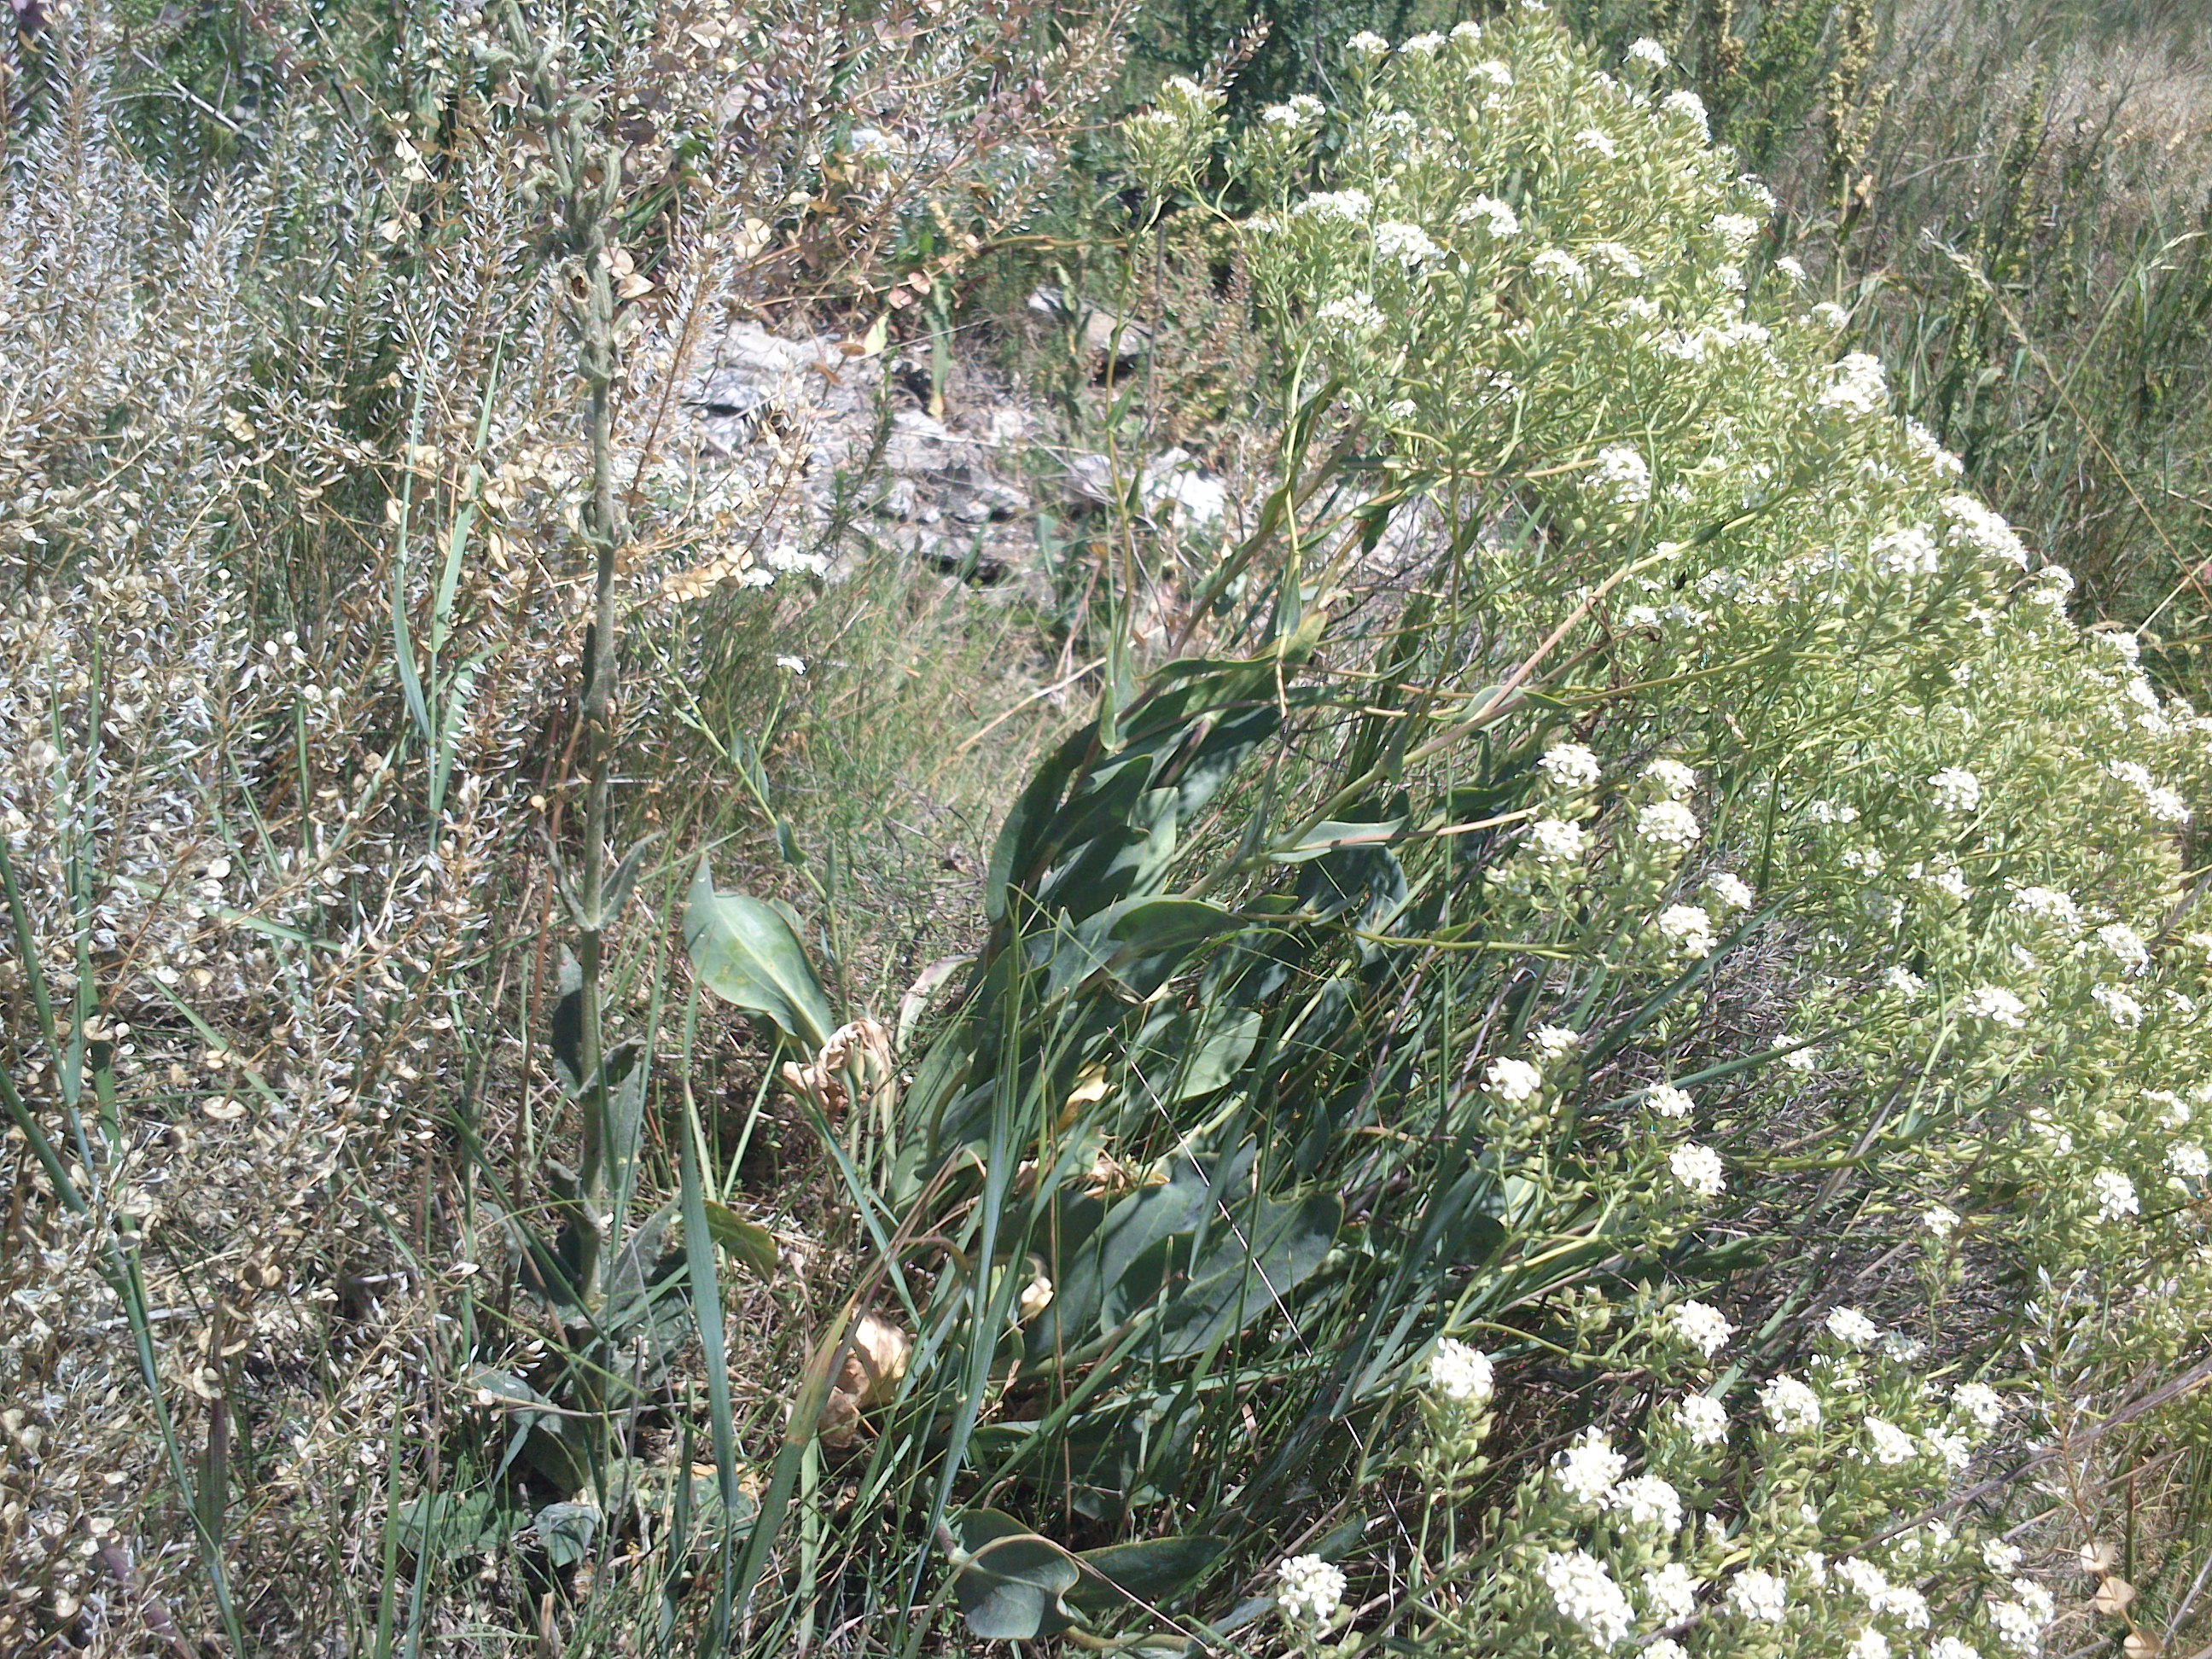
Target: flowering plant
[(1711, 917)]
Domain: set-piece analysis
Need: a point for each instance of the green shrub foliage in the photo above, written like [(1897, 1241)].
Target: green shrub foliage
[(1599, 1070)]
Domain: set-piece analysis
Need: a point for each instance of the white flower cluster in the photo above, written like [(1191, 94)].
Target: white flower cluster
[(1698, 1168), (1701, 1326), (1309, 1590), (1409, 245), (1955, 791), (1588, 1468), (1790, 1406), (1688, 928), (1621, 473), (1859, 385), (1569, 766), (1588, 1597), (1668, 823), (1494, 217), (1461, 1375), (1514, 1081)]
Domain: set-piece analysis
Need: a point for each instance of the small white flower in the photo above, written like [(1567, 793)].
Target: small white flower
[(1892, 1445), (1865, 1580), (1561, 266), (1703, 1418), (1514, 1080), (1950, 1647), (1668, 823), (1738, 230), (1646, 1500), (1789, 1405), (2126, 945), (1759, 1595), (1956, 790), (1859, 385), (1701, 1326), (1869, 1644), (1588, 1597), (1336, 206), (2020, 1623), (1996, 1005), (1488, 214), (1984, 1406), (1906, 983), (1941, 1220), (1853, 1329), (1590, 139), (2163, 803), (1367, 44), (1309, 1590), (1352, 317), (1687, 106), (1792, 269), (1975, 526), (1688, 928), (2123, 1010), (1648, 50), (1461, 1374), (2115, 1194), (1422, 46), (1954, 1449), (791, 664), (1673, 779), (1697, 1168), (1586, 1470), (1409, 245), (2189, 1161), (1730, 891), (1671, 1592), (2048, 904), (1557, 841), (1555, 1042), (1569, 766), (1906, 552), (1669, 1101), (1624, 260), (1621, 473)]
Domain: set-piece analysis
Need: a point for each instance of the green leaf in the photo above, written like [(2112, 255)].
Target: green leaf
[(449, 1525), (747, 953), (752, 1245), (1152, 1570), (567, 1531), (1248, 1269), (1009, 1580), (552, 1444)]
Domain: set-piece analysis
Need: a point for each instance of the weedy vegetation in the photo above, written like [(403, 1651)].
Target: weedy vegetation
[(1552, 1001)]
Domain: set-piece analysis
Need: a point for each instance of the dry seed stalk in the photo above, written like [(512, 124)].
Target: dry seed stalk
[(582, 174)]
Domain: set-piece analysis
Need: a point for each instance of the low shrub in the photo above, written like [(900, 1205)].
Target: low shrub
[(1617, 1060)]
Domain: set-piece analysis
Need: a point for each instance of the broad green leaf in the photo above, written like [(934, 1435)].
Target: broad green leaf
[(449, 1525), (1248, 1271), (1152, 1570), (565, 1531), (747, 953), (1009, 1580), (751, 1244)]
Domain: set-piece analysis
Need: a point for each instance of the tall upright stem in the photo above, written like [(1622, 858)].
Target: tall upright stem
[(583, 173)]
